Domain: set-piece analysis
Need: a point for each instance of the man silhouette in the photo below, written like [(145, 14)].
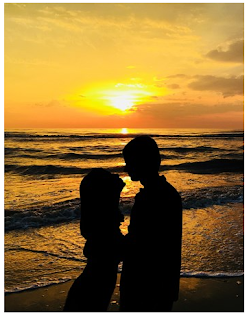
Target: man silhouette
[(152, 258)]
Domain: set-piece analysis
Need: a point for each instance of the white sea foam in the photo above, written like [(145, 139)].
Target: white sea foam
[(40, 284), (220, 274), (37, 285)]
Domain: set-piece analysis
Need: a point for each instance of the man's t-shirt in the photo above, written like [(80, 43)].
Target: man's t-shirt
[(151, 266)]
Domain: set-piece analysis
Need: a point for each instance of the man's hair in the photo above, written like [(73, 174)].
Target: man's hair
[(143, 150)]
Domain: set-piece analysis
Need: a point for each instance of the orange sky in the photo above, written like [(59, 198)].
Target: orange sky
[(124, 65)]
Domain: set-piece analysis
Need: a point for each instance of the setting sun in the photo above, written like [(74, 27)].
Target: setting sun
[(124, 131), (123, 102)]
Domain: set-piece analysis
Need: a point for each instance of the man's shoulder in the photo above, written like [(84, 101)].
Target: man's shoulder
[(162, 190), (170, 188), (140, 195)]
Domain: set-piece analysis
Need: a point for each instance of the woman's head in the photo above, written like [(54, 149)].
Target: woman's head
[(100, 191), (102, 184)]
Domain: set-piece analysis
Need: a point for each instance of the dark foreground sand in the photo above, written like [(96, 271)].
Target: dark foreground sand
[(202, 295)]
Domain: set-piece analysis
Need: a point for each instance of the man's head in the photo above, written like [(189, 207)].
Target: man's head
[(142, 158)]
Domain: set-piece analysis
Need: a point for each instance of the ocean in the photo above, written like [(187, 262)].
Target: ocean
[(43, 171)]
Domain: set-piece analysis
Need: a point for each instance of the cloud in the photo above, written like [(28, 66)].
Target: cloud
[(22, 21), (182, 109), (19, 5), (49, 104), (185, 114), (179, 75), (173, 86), (234, 53), (30, 62), (143, 21), (228, 87)]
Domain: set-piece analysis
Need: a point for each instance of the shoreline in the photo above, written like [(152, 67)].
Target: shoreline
[(196, 295)]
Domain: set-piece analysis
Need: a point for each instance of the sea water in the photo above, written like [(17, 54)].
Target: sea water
[(43, 171)]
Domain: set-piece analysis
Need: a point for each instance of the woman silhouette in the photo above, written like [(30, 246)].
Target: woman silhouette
[(99, 225)]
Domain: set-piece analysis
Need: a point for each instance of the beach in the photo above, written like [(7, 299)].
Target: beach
[(43, 243), (196, 295)]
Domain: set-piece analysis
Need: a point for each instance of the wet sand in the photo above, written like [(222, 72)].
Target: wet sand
[(196, 295)]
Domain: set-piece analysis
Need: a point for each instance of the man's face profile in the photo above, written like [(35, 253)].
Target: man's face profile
[(132, 170)]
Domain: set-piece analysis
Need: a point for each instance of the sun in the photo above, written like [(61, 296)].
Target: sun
[(124, 131), (122, 102)]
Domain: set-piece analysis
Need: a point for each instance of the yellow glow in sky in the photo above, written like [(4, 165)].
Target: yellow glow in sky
[(120, 98)]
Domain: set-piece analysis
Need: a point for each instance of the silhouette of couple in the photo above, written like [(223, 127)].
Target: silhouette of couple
[(151, 251)]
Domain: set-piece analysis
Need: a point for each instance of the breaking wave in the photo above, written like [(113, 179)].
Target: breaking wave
[(22, 135), (69, 210)]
